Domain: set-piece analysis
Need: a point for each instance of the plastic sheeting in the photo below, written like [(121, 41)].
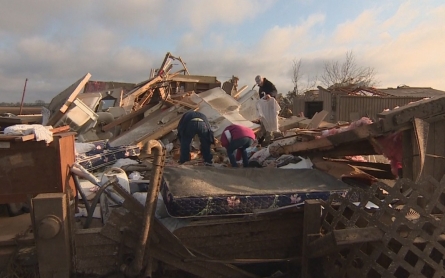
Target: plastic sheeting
[(268, 110)]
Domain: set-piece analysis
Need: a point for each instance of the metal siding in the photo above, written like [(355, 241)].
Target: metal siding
[(368, 106), (298, 104), (326, 97)]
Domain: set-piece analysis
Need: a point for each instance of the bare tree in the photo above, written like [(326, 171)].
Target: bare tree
[(347, 73), (300, 87), (296, 76)]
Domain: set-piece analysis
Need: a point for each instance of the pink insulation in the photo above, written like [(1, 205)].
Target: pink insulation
[(353, 125), (391, 147)]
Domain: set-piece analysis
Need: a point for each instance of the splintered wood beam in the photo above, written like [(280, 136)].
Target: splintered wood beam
[(60, 104), (167, 56), (28, 137), (325, 143), (158, 133), (125, 118), (338, 239), (183, 64), (146, 99), (60, 129), (240, 91), (162, 93), (138, 91)]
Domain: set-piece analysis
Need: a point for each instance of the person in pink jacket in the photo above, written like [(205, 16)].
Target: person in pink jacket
[(237, 137)]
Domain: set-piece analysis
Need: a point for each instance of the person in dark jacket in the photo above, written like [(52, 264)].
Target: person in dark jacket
[(195, 123), (237, 137), (266, 88)]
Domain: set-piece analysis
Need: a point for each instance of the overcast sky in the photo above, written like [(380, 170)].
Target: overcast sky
[(54, 43)]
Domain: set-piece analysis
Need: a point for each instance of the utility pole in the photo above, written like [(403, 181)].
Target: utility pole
[(23, 97)]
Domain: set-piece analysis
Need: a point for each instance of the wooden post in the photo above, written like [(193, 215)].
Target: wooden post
[(311, 225)]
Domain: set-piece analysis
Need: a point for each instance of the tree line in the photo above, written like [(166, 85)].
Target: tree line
[(334, 73), (27, 104)]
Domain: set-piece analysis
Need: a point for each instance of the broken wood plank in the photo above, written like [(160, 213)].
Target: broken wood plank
[(240, 91), (62, 101), (160, 132), (8, 137), (60, 129), (145, 100), (317, 119), (150, 127), (312, 225), (292, 122), (26, 137), (125, 118), (317, 144), (337, 239), (183, 103), (350, 136), (143, 88)]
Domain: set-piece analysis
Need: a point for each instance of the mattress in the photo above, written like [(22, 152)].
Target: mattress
[(190, 191), (105, 155)]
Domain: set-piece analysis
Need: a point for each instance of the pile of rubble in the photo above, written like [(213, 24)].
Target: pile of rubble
[(121, 118), (339, 166)]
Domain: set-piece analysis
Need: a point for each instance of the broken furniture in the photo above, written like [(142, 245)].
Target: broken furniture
[(104, 155), (79, 117), (29, 167)]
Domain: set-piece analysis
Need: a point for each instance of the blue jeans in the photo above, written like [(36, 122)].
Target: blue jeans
[(242, 144), (195, 128)]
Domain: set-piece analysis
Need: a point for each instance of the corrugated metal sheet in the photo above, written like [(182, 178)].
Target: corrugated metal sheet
[(352, 106), (327, 97), (405, 91), (298, 104)]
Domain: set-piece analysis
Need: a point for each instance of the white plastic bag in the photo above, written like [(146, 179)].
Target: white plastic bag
[(268, 109)]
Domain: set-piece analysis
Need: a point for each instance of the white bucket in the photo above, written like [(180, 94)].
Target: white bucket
[(121, 176)]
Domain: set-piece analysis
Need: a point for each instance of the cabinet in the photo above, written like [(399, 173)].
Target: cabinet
[(30, 167)]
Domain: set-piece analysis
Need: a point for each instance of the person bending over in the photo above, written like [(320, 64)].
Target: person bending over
[(237, 137), (195, 123)]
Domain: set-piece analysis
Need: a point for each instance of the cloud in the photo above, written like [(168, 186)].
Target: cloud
[(406, 48), (414, 56), (57, 43), (360, 29), (23, 17), (290, 38), (405, 15), (229, 12)]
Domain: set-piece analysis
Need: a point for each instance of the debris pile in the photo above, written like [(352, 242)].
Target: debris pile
[(355, 197)]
